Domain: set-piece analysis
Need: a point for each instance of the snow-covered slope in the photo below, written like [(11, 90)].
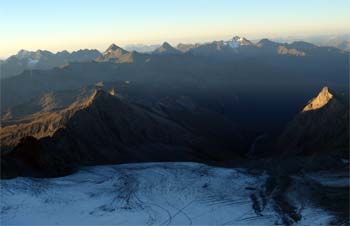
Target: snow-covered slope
[(237, 41), (146, 194)]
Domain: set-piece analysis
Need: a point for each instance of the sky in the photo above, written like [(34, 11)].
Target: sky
[(74, 24)]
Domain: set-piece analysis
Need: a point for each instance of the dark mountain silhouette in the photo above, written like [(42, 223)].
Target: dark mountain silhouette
[(322, 126), (104, 128), (43, 60)]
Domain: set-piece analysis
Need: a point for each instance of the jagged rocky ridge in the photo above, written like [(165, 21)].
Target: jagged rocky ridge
[(237, 47), (97, 127), (43, 60), (102, 129), (322, 126)]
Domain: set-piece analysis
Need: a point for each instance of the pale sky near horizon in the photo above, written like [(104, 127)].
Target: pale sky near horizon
[(74, 24)]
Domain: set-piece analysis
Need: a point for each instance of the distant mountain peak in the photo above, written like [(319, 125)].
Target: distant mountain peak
[(63, 52), (166, 48), (265, 40), (319, 101), (166, 45), (186, 47), (113, 47), (266, 43), (238, 41), (236, 37), (113, 53), (23, 54), (23, 51)]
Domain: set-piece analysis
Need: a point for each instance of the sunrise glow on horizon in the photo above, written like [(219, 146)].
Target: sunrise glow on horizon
[(91, 24)]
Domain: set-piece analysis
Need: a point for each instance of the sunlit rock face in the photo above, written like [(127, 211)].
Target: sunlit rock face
[(321, 127), (321, 100)]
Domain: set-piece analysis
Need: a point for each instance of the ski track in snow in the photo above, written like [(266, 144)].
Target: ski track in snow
[(144, 194)]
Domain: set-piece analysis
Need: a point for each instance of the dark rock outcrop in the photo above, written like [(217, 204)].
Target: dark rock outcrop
[(104, 129)]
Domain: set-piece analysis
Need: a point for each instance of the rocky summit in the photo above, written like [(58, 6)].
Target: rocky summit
[(319, 101)]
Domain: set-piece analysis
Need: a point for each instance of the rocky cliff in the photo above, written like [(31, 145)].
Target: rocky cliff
[(322, 126)]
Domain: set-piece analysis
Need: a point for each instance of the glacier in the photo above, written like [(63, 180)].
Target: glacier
[(148, 194)]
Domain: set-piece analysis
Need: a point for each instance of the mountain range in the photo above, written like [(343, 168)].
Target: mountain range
[(236, 48), (42, 60), (212, 102), (340, 41), (93, 126), (99, 128)]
